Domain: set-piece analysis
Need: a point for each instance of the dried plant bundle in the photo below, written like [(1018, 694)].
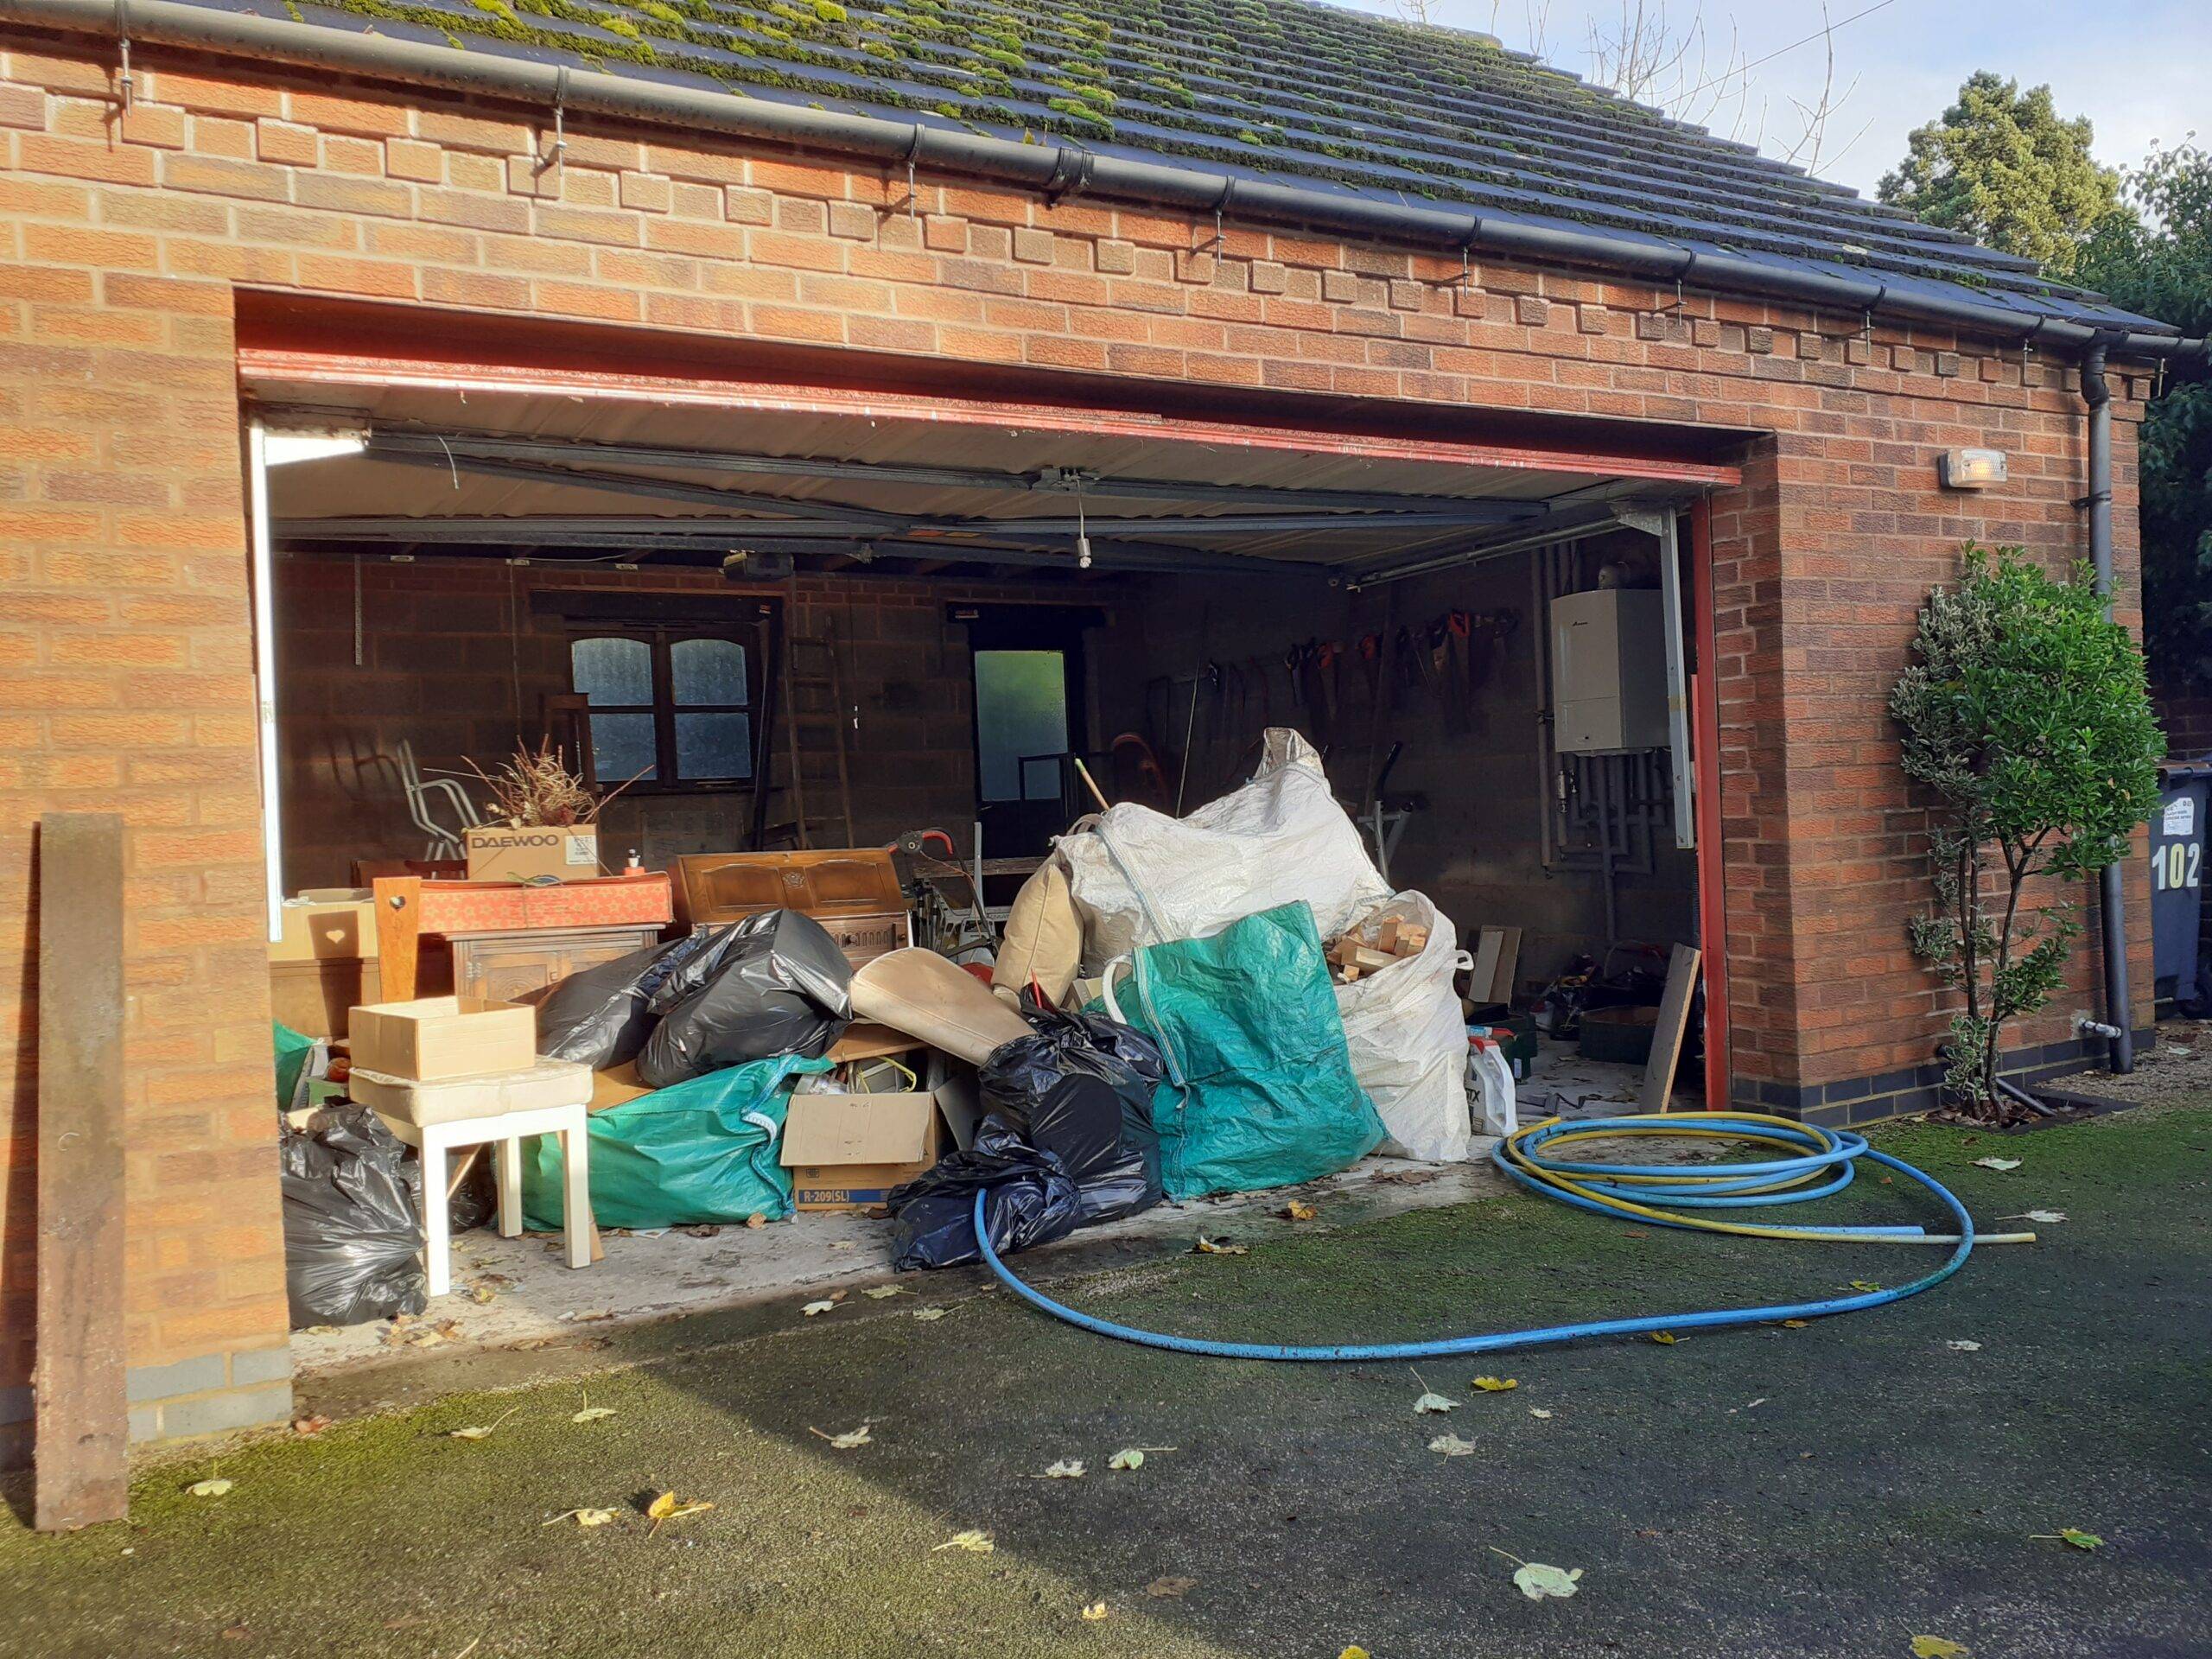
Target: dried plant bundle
[(535, 786)]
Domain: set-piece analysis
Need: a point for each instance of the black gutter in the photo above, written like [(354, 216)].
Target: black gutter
[(1056, 170), (2111, 914)]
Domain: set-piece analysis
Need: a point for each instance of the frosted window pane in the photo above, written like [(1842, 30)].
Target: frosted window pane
[(707, 671), (1021, 709), (714, 746), (612, 671), (622, 748)]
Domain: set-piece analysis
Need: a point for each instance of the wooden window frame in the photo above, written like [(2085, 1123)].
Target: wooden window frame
[(659, 638)]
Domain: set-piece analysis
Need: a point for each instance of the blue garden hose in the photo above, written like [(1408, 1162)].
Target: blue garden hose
[(1825, 1165)]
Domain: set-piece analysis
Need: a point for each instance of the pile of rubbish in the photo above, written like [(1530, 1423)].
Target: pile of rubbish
[(1228, 1001)]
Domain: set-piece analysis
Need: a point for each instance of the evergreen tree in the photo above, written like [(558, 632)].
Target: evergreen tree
[(2002, 168)]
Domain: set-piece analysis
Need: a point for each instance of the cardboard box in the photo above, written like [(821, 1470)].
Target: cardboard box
[(437, 1037), (616, 1086), (847, 1152), (326, 924), (565, 852)]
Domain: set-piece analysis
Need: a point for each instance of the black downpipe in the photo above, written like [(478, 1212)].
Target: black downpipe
[(2112, 915)]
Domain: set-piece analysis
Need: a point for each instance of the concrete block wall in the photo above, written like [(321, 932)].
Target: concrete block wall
[(455, 661), (129, 241)]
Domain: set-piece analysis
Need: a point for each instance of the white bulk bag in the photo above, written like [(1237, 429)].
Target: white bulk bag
[(1409, 1043), (1281, 837)]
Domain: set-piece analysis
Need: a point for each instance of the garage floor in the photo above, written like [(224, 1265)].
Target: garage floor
[(530, 1298)]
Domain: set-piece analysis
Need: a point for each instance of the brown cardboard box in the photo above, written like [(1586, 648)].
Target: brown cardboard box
[(325, 923), (616, 1086), (565, 852), (847, 1152), (435, 1037)]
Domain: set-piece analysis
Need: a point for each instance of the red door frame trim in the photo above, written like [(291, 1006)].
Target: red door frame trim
[(1704, 747), (278, 366)]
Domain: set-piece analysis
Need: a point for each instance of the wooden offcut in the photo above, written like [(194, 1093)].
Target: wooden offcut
[(80, 1436), (1668, 1032)]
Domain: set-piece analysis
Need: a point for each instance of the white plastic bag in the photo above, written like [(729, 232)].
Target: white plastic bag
[(1409, 1043), (1140, 877)]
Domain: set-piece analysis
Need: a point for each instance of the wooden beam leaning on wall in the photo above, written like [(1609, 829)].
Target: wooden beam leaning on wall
[(81, 1445)]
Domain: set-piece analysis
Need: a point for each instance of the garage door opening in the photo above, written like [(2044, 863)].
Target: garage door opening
[(808, 619)]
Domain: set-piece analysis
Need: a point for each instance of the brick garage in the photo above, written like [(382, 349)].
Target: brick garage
[(138, 242)]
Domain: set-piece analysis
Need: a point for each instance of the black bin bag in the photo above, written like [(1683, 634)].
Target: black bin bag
[(352, 1245), (774, 983), (602, 1017), (1080, 1087), (1031, 1199)]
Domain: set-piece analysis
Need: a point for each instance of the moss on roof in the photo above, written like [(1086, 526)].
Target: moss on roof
[(1280, 86)]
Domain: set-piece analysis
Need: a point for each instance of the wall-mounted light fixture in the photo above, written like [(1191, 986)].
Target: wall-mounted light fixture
[(1970, 469)]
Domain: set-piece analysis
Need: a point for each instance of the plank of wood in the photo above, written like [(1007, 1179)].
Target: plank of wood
[(80, 1438), (1480, 978), (1509, 965), (1667, 1034), (399, 935)]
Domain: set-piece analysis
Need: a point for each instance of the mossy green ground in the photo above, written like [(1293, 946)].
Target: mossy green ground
[(1834, 1490)]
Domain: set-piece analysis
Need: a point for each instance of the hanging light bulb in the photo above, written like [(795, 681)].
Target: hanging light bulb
[(1081, 540)]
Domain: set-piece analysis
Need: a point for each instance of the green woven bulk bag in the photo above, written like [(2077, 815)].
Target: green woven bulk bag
[(700, 1151), (1248, 1021)]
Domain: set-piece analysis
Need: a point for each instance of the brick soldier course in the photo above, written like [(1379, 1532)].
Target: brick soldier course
[(134, 245)]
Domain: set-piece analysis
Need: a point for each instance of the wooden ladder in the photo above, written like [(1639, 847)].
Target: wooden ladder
[(822, 675)]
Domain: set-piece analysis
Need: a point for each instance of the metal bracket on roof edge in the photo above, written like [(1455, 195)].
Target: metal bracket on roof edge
[(122, 43), (913, 204), (560, 132), (1220, 212), (1466, 279)]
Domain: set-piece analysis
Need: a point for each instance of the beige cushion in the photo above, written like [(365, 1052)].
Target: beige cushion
[(919, 992), (449, 1100), (1044, 939)]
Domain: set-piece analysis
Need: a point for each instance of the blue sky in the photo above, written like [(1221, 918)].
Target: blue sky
[(2141, 70)]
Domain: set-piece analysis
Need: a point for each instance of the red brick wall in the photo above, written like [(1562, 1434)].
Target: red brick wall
[(2187, 717), (124, 238)]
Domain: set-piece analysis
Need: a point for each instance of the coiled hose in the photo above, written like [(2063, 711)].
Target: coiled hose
[(1824, 1163)]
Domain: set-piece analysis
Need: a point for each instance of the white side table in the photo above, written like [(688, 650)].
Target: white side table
[(500, 1110)]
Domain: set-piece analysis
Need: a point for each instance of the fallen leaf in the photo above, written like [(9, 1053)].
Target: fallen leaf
[(481, 1295), (975, 1543), (482, 1432), (1355, 1652), (1064, 1468), (1998, 1163), (1433, 1402), (1219, 1247), (2073, 1536), (813, 1308), (756, 1222), (592, 1414), (1170, 1589), (1667, 1336), (1537, 1580), (1963, 1346), (322, 1330), (927, 1314), (883, 1293), (843, 1245), (1865, 1285), (582, 1518), (1451, 1446), (1795, 1325), (214, 1487), (1496, 1384), (2044, 1217), (851, 1439), (1297, 1210), (1131, 1458), (307, 1426), (1937, 1647), (1538, 1411), (669, 1507), (1095, 1612), (235, 1632)]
